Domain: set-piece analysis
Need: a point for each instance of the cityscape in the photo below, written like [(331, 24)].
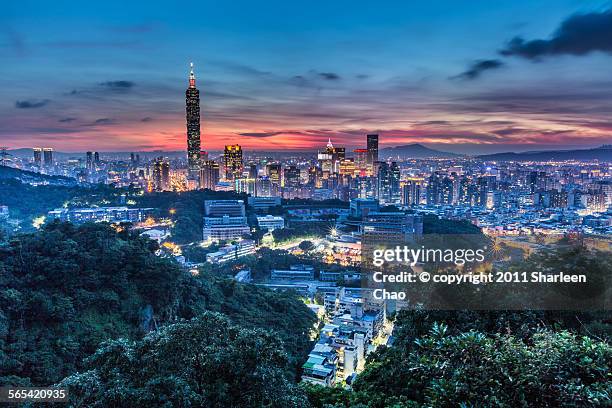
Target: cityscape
[(238, 267)]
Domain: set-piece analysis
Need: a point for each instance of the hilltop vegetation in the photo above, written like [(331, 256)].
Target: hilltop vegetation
[(66, 289), (506, 359), (206, 362)]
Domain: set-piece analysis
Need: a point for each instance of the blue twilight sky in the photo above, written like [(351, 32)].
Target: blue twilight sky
[(457, 75)]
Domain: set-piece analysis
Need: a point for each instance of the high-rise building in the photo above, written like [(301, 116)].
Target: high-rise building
[(161, 174), (388, 183), (361, 160), (90, 161), (48, 156), (372, 147), (253, 171), (38, 156), (192, 100), (383, 189), (386, 230), (411, 193), (273, 170), (232, 162), (209, 175)]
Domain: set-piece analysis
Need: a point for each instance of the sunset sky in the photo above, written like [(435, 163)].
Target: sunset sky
[(469, 76)]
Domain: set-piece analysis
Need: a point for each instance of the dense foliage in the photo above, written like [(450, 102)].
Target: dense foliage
[(505, 359), (206, 362), (66, 289), (546, 369)]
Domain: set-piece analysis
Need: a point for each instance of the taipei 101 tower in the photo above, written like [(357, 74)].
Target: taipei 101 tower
[(192, 100)]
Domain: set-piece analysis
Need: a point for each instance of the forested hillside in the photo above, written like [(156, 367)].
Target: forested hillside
[(66, 289)]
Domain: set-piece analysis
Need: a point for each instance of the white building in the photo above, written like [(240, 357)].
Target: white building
[(231, 252), (271, 222), (294, 273), (224, 220)]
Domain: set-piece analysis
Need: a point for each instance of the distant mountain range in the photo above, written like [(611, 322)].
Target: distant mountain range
[(414, 151), (602, 153)]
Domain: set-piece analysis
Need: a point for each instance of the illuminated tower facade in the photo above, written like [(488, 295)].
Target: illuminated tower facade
[(192, 100), (232, 162), (372, 146)]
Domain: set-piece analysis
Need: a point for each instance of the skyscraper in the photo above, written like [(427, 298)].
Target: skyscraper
[(388, 183), (90, 161), (209, 175), (232, 162), (38, 156), (411, 192), (192, 100), (361, 160), (161, 174), (48, 156), (372, 146)]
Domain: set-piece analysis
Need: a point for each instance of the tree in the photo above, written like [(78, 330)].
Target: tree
[(306, 246), (203, 362), (438, 370)]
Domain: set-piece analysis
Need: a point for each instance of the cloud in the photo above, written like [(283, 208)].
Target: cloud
[(260, 134), (579, 34), (66, 120), (32, 103), (117, 84), (146, 119), (329, 76), (478, 67), (101, 122)]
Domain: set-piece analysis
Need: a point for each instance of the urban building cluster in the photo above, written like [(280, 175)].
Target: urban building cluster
[(351, 324)]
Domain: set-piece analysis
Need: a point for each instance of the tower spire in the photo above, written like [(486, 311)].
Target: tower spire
[(329, 144), (191, 76)]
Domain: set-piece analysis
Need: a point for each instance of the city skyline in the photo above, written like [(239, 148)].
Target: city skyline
[(479, 80)]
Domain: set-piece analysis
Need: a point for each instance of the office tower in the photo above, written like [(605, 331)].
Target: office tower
[(224, 220), (132, 158), (330, 158), (394, 183), (232, 162), (96, 158), (89, 161), (161, 174), (48, 156), (388, 183), (192, 100), (292, 177), (361, 160), (383, 189), (372, 147), (209, 175), (273, 171), (253, 171), (38, 157), (387, 229), (411, 193), (434, 188)]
